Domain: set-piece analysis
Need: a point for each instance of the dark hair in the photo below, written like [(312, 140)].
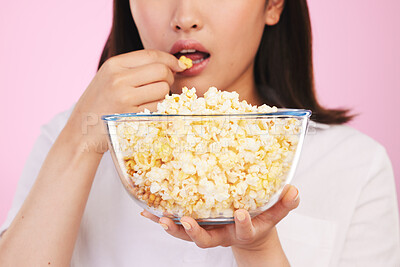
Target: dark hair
[(283, 69)]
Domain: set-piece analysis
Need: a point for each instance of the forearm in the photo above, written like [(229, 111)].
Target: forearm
[(269, 254), (45, 229)]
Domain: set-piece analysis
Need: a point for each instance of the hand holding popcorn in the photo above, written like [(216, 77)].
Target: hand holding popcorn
[(247, 233), (128, 82)]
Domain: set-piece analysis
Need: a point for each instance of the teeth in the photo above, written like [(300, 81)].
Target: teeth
[(198, 61), (185, 51)]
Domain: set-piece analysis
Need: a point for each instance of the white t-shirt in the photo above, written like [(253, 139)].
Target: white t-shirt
[(348, 214)]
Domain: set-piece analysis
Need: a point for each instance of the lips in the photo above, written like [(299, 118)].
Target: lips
[(191, 49), (187, 45)]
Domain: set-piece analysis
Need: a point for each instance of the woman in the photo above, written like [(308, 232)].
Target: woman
[(76, 211)]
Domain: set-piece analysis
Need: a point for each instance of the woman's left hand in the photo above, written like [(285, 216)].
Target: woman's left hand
[(247, 233)]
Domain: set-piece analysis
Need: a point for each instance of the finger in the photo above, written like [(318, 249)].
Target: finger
[(244, 228), (146, 74), (203, 238), (173, 229), (146, 94), (144, 57), (291, 199), (168, 225), (152, 106), (150, 216), (210, 227), (277, 212)]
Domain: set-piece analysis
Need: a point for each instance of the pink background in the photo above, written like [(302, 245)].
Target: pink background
[(49, 52)]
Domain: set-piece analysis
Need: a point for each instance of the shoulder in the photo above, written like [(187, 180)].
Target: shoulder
[(342, 143), (338, 160), (341, 135), (53, 128)]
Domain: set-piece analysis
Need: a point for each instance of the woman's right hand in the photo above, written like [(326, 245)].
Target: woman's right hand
[(125, 83)]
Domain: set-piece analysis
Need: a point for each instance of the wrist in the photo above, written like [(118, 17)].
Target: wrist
[(88, 140), (268, 252), (260, 245)]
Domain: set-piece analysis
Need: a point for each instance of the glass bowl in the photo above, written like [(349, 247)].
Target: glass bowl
[(206, 166)]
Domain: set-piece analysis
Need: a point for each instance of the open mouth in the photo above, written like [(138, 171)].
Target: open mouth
[(196, 56)]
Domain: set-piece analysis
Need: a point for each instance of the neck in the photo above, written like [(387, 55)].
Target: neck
[(246, 87)]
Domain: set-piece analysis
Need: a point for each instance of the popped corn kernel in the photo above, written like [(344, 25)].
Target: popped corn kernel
[(187, 61), (206, 166)]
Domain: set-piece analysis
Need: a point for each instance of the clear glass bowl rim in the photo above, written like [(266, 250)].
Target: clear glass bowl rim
[(301, 113)]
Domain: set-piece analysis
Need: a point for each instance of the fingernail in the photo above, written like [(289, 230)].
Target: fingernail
[(295, 194), (186, 225), (164, 226), (182, 65), (240, 216)]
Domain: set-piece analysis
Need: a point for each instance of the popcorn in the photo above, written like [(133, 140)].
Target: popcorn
[(187, 61), (206, 166)]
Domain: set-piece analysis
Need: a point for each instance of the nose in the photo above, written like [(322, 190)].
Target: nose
[(186, 17)]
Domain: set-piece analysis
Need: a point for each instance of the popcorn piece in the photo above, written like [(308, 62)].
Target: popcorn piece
[(206, 167), (187, 61)]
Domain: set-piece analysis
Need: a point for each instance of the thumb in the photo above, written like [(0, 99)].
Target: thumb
[(281, 209), (244, 228)]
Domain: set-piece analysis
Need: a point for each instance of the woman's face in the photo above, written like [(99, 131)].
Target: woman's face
[(229, 30)]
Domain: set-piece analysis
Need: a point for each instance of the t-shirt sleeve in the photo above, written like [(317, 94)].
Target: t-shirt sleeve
[(41, 147), (373, 237)]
